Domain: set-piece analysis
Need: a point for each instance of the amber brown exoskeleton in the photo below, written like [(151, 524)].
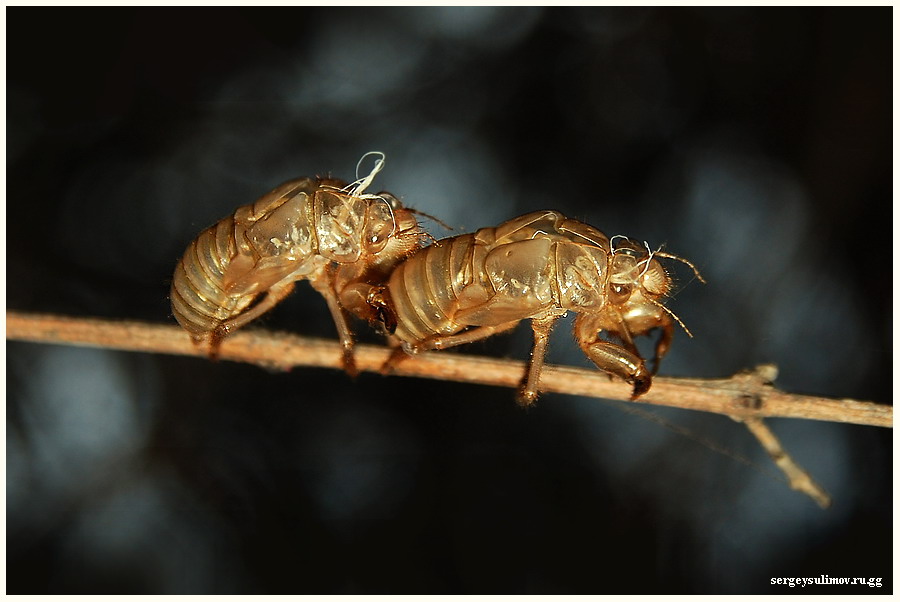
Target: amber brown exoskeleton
[(538, 266), (322, 230)]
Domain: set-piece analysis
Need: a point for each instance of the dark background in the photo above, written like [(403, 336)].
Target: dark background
[(756, 142)]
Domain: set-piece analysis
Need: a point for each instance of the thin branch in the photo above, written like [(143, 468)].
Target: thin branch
[(742, 396), (747, 397), (798, 479)]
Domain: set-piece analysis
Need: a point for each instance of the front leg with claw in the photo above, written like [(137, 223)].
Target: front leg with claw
[(612, 358)]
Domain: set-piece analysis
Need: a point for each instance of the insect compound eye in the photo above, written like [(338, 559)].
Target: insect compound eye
[(391, 200), (619, 293), (379, 226)]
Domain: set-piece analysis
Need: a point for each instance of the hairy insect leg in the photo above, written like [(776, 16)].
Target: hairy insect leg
[(613, 358), (325, 287), (528, 391), (273, 297)]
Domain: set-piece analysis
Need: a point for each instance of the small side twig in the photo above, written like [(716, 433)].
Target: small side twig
[(798, 478), (747, 397)]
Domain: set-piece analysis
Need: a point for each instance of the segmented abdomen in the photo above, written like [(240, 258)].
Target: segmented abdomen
[(199, 301), (425, 288)]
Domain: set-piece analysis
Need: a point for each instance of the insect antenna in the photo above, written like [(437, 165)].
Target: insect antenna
[(671, 313), (684, 261), (431, 217)]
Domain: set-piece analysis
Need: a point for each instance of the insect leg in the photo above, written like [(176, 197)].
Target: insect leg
[(665, 341), (398, 354), (528, 391), (325, 287), (612, 358), (467, 336), (622, 331), (441, 342), (273, 297), (617, 360)]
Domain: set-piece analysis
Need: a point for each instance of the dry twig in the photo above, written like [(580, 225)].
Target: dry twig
[(746, 397), (798, 478)]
